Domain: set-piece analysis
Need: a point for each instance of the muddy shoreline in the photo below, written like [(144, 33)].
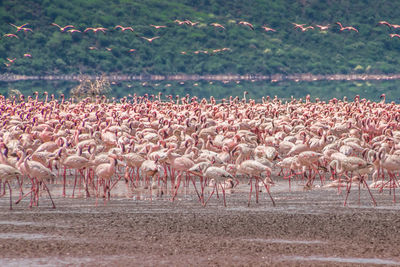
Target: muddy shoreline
[(306, 228)]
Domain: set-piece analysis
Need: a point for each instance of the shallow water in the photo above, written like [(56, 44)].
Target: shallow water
[(363, 261), (313, 222)]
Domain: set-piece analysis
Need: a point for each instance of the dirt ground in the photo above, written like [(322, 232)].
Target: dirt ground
[(305, 228)]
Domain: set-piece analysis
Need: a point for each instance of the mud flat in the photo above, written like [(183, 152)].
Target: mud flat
[(306, 228)]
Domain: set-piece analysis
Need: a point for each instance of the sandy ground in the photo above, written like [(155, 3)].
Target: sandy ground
[(306, 228)]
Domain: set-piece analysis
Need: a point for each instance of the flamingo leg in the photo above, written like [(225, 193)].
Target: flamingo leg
[(256, 188), (251, 189), (369, 191), (178, 182), (195, 188), (205, 204), (223, 194), (269, 193), (348, 192), (48, 191), (9, 187)]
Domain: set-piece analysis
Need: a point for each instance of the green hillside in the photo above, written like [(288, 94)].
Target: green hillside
[(287, 50)]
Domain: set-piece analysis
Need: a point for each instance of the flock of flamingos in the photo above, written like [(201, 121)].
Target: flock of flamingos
[(71, 29), (163, 144)]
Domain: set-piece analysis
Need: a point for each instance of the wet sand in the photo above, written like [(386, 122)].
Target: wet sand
[(306, 228)]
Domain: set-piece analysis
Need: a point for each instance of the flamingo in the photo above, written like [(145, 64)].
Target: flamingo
[(20, 28), (158, 26), (7, 174), (348, 28), (63, 29), (217, 25), (255, 169), (39, 175), (392, 35), (104, 172), (217, 174), (180, 22), (296, 25), (384, 23), (190, 23), (268, 29), (27, 55), (248, 24), (10, 35), (95, 30), (73, 31), (124, 28), (323, 27), (150, 39)]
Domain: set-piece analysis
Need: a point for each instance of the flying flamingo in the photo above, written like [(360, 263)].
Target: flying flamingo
[(248, 24), (7, 174), (392, 35), (73, 30), (349, 28), (217, 25), (150, 39), (124, 28), (132, 50), (268, 29), (190, 23), (63, 29), (10, 35), (27, 55), (180, 22), (95, 30), (395, 26), (323, 27), (384, 23), (158, 26), (11, 60), (296, 25), (20, 28)]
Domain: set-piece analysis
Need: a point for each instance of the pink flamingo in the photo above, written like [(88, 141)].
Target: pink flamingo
[(348, 28), (7, 174)]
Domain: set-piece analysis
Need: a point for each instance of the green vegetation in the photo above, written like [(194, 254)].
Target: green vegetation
[(286, 51)]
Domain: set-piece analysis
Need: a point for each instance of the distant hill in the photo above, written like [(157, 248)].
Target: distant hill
[(200, 48)]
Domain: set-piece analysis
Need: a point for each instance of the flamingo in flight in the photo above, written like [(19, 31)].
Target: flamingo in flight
[(296, 25), (20, 28), (27, 55), (11, 60), (158, 26), (95, 30), (190, 23), (248, 24), (323, 27), (349, 28), (63, 29), (395, 26), (384, 23), (180, 22), (123, 28), (217, 25), (73, 30), (268, 29), (10, 35), (132, 50), (151, 39), (394, 35)]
